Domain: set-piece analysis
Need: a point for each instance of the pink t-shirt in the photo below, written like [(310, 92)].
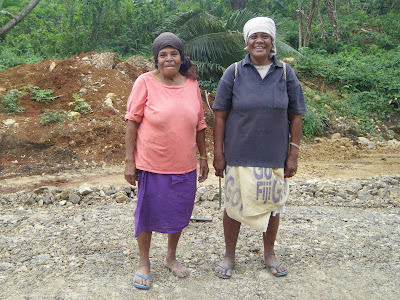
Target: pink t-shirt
[(169, 118)]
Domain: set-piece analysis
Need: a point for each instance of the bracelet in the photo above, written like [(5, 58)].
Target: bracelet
[(293, 144), (203, 157)]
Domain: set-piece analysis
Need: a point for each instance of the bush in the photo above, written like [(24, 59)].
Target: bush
[(10, 102), (52, 116), (80, 104), (37, 95)]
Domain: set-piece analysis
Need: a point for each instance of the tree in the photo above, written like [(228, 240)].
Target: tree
[(314, 4), (333, 19), (18, 18)]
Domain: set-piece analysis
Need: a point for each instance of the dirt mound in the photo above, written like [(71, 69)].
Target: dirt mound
[(29, 147)]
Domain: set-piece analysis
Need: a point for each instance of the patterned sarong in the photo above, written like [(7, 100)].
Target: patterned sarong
[(252, 193)]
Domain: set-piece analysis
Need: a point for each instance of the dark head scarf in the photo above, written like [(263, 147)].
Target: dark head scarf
[(168, 39)]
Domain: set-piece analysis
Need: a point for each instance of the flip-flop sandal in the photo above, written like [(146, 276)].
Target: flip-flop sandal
[(278, 274), (223, 276), (141, 286)]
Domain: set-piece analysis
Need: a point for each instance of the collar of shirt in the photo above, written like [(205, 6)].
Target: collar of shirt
[(275, 62)]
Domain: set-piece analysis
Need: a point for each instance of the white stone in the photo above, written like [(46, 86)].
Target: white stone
[(109, 102), (111, 96), (9, 122), (74, 114), (52, 66), (84, 189), (364, 140)]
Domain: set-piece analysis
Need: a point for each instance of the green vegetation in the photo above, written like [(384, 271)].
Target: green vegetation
[(53, 116), (80, 104), (43, 96), (357, 59), (10, 102)]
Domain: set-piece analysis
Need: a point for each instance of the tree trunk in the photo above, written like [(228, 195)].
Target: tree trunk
[(323, 34), (300, 16), (239, 4), (309, 22), (333, 19), (18, 18)]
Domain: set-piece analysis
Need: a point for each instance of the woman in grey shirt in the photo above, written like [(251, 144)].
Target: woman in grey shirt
[(257, 132)]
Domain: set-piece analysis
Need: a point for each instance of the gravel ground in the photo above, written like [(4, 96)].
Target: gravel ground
[(89, 252)]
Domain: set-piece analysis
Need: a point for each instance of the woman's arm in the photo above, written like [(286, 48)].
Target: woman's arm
[(219, 133), (130, 142), (201, 145), (295, 129)]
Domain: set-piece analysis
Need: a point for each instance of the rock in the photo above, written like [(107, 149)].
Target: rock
[(393, 142), (353, 188), (364, 140), (335, 136), (83, 92), (111, 96), (74, 114), (109, 102), (84, 189), (74, 198), (111, 191), (47, 199), (64, 195), (52, 66), (121, 197), (9, 122), (365, 195), (41, 190), (201, 190)]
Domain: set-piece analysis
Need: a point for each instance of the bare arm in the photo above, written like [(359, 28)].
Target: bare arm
[(130, 142), (201, 145), (295, 133), (219, 133)]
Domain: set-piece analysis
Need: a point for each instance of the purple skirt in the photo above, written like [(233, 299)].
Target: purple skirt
[(165, 201)]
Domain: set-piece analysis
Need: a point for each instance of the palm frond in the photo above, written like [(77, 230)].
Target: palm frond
[(221, 48), (178, 20), (198, 26), (285, 50), (209, 70), (236, 20)]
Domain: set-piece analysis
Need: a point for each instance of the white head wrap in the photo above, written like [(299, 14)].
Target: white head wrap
[(260, 24)]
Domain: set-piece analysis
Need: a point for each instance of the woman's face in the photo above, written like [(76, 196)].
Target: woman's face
[(169, 61), (259, 45)]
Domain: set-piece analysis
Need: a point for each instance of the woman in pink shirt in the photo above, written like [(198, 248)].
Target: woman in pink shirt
[(165, 122)]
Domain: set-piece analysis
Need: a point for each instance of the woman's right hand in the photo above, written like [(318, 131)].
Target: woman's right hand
[(219, 164), (131, 174)]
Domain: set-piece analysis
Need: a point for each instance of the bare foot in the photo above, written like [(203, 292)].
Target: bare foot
[(276, 267), (143, 270), (224, 269), (176, 268)]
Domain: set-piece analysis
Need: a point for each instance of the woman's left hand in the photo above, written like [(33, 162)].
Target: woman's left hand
[(290, 166), (203, 174)]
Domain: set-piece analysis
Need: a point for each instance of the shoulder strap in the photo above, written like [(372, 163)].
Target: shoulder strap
[(236, 68), (284, 70)]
